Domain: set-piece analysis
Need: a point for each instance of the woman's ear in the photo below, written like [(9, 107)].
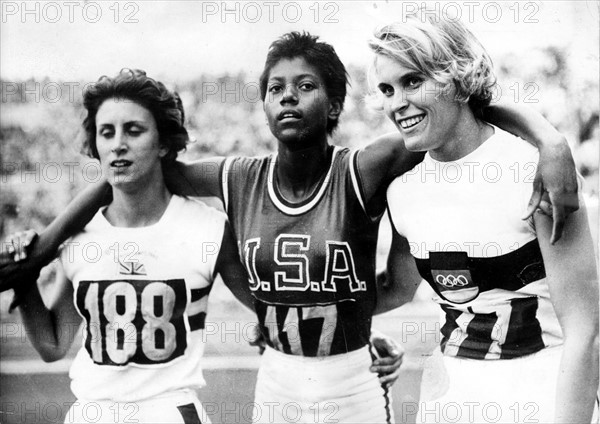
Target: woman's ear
[(162, 150), (335, 108)]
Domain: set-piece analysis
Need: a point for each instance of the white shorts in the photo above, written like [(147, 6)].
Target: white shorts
[(182, 407), (496, 391), (330, 389)]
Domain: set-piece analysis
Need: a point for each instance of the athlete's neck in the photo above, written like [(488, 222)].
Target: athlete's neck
[(138, 208), (464, 137), (299, 172)]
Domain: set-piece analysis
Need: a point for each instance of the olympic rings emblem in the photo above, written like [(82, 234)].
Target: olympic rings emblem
[(452, 281)]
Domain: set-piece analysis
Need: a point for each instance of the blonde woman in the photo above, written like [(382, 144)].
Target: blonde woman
[(519, 339)]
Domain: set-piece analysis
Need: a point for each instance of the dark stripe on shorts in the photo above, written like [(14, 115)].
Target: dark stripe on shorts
[(189, 414)]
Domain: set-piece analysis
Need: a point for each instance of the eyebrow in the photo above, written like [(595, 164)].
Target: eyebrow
[(133, 122), (410, 74), (297, 77)]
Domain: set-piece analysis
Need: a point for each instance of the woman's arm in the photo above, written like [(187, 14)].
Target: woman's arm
[(51, 329), (556, 170), (387, 158), (232, 271), (379, 163), (200, 178), (195, 179), (72, 220), (571, 274), (398, 283)]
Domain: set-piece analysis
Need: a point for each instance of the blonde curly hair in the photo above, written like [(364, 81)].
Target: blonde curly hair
[(442, 49)]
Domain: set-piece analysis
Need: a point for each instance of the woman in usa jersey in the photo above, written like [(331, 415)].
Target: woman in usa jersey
[(140, 272), (520, 314), (306, 219)]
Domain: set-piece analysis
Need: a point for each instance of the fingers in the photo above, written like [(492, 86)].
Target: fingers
[(6, 257), (559, 217), (257, 340), (17, 244), (13, 274), (536, 197), (385, 346), (388, 380), (562, 205), (387, 366), (545, 208), (388, 369)]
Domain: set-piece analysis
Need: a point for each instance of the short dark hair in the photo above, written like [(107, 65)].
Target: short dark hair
[(134, 85), (317, 53)]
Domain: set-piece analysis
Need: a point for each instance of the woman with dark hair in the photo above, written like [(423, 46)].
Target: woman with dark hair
[(306, 220), (140, 272), (520, 334)]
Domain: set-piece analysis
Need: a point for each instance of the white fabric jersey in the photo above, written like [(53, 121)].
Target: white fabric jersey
[(142, 293), (494, 294)]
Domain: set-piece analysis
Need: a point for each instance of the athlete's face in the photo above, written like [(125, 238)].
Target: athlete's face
[(424, 114), (297, 105), (128, 144)]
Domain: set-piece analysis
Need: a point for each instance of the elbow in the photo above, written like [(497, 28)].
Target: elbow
[(51, 353), (52, 356), (585, 341)]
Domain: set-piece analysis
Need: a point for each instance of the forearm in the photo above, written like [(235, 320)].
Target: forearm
[(379, 163), (392, 294), (232, 271), (574, 294), (577, 380), (245, 298), (397, 284), (41, 326), (526, 123), (195, 179), (75, 217)]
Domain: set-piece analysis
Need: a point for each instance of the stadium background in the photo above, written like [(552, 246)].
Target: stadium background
[(213, 61)]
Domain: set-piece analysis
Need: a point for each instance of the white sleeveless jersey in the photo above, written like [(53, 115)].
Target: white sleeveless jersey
[(142, 293), (463, 223)]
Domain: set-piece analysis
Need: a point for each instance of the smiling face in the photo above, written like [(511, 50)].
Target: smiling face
[(424, 113), (128, 143), (297, 105)]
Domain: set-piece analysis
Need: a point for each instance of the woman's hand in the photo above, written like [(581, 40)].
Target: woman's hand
[(257, 339), (15, 272), (17, 244), (387, 365), (556, 174)]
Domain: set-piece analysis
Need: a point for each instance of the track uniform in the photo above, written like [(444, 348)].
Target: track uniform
[(500, 340), (142, 293), (311, 267)]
